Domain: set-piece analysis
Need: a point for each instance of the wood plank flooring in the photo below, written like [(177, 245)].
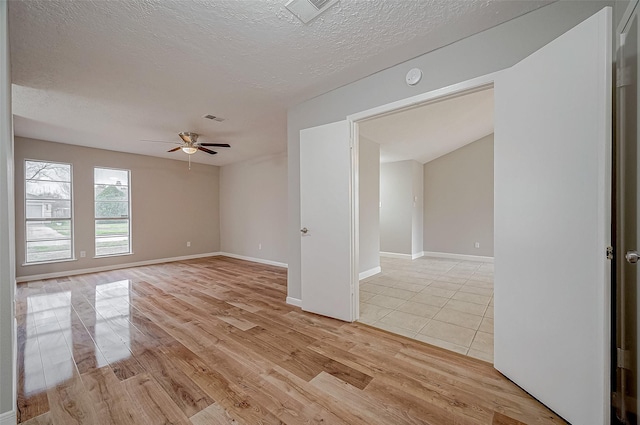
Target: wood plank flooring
[(211, 341)]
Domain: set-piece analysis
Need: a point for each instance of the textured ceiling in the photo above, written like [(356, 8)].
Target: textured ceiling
[(427, 132), (110, 73)]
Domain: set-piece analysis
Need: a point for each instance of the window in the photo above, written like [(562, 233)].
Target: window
[(48, 212), (113, 224)]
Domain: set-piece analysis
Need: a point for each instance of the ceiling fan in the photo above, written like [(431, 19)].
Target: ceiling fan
[(191, 145)]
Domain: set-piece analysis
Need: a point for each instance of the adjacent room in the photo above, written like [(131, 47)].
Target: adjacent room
[(426, 223)]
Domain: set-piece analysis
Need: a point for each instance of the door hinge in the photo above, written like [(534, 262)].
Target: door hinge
[(624, 359), (624, 76), (609, 253)]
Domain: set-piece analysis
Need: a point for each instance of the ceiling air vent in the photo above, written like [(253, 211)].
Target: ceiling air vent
[(307, 10), (213, 117)]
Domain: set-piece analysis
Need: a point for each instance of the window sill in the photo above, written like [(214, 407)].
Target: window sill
[(113, 255), (49, 262)]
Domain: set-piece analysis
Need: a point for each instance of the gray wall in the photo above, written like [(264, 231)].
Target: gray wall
[(458, 200), (170, 205), (7, 250), (369, 210), (489, 51), (253, 208)]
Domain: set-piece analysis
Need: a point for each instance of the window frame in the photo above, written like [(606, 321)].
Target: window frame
[(70, 219), (96, 219)]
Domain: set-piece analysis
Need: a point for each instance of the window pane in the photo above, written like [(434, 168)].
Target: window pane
[(37, 170), (112, 228), (48, 209), (38, 230), (48, 190), (112, 209), (48, 251), (106, 176), (112, 245), (48, 201), (111, 193)]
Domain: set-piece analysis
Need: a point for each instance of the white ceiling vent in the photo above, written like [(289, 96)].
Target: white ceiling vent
[(213, 117), (307, 10)]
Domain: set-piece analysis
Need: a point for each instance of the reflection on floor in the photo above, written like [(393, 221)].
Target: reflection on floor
[(212, 341), (443, 302)]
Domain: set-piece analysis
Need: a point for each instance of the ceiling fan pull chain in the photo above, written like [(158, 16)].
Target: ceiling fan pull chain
[(189, 162)]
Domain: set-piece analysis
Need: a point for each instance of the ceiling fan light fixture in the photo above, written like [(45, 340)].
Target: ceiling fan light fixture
[(189, 150)]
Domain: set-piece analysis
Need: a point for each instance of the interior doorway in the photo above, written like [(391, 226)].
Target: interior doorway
[(426, 222), (552, 206)]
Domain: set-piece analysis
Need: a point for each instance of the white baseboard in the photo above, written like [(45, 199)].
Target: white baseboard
[(113, 267), (395, 255), (255, 260), (294, 301), (14, 372), (143, 263), (9, 418), (368, 273), (402, 256), (464, 257)]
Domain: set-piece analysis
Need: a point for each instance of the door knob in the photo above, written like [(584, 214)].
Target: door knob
[(304, 230), (632, 257)]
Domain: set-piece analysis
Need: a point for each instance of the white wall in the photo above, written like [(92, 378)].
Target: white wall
[(396, 210), (486, 52), (369, 193), (253, 209), (458, 200), (417, 211), (7, 226)]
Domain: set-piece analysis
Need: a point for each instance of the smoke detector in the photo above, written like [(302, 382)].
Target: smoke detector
[(307, 10)]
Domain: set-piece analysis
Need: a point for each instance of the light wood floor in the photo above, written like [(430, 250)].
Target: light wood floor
[(212, 341)]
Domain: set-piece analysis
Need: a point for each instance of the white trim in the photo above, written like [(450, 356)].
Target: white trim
[(417, 255), (464, 257), (626, 16), (464, 87), (294, 301), (395, 255), (9, 418), (368, 273), (114, 267), (354, 206), (14, 341), (39, 263), (255, 260)]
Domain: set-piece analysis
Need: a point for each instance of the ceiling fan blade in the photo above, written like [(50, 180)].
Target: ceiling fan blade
[(174, 149), (159, 141), (207, 150), (185, 137), (218, 145)]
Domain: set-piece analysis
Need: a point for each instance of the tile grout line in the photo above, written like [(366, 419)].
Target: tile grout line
[(388, 281)]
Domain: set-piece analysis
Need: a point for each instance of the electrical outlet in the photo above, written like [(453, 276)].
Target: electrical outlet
[(188, 244), (259, 246), (477, 244), (83, 254)]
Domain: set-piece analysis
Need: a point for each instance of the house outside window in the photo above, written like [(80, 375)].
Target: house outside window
[(48, 212), (112, 211)]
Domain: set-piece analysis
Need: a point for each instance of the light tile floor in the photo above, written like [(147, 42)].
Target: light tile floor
[(447, 303)]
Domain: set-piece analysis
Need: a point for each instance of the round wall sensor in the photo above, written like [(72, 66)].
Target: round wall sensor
[(414, 76)]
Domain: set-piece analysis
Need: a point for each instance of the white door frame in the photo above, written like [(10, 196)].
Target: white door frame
[(454, 90)]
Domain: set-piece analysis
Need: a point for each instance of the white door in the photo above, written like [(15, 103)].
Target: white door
[(552, 222), (326, 214)]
